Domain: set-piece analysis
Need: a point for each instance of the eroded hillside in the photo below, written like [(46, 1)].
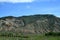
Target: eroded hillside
[(30, 24)]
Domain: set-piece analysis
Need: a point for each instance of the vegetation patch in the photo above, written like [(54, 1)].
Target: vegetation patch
[(52, 34)]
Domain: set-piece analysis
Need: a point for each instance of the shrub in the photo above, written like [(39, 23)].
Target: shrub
[(52, 34)]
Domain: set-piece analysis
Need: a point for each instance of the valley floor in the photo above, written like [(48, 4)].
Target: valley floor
[(32, 37)]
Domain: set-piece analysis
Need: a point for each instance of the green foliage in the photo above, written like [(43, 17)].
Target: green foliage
[(12, 34), (6, 34), (52, 34), (32, 37)]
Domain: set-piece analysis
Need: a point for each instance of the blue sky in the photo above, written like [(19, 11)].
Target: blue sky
[(29, 7)]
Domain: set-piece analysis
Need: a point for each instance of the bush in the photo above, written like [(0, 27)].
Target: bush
[(6, 34), (12, 34), (52, 34)]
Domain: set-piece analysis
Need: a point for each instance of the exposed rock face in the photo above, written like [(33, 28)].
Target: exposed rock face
[(30, 24)]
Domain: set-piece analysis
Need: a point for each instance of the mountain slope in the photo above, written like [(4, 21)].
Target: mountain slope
[(35, 24)]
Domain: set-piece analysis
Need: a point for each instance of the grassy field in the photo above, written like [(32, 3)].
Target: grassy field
[(32, 37)]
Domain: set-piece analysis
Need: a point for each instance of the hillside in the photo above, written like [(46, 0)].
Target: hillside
[(33, 24)]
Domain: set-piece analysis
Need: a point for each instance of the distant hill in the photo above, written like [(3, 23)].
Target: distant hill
[(33, 24)]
